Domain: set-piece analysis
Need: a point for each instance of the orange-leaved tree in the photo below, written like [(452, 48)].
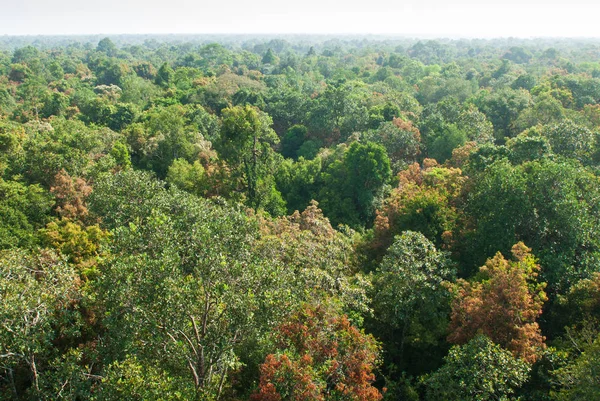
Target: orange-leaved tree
[(71, 194), (503, 302), (321, 356), (424, 201)]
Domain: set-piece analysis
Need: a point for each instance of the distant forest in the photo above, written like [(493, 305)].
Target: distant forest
[(220, 217)]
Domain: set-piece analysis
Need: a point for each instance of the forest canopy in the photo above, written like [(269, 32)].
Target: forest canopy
[(299, 218)]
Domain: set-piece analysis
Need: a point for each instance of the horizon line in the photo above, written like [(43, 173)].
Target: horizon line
[(363, 34)]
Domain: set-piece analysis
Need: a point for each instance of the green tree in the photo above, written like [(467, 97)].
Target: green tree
[(164, 76), (246, 145), (23, 209), (293, 140), (123, 115), (188, 177), (502, 108), (37, 291), (121, 155), (32, 92), (134, 380), (107, 46), (352, 183), (270, 57), (571, 140), (448, 140), (298, 182), (401, 141), (163, 137), (341, 109), (577, 311), (579, 380), (65, 144), (548, 204), (109, 71), (528, 146), (478, 371), (411, 304), (182, 290)]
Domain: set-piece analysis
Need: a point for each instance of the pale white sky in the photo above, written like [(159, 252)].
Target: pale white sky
[(466, 18)]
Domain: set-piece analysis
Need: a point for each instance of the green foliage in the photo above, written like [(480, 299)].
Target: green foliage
[(547, 204), (401, 142), (448, 124), (81, 245), (65, 145), (12, 137), (270, 57), (292, 141), (528, 147), (137, 90), (120, 153), (164, 76), (164, 136), (502, 108), (173, 290), (340, 108), (309, 149), (352, 183), (37, 291), (23, 208), (132, 380), (246, 145), (182, 289), (478, 370), (109, 71), (298, 182), (186, 176), (571, 140), (107, 46), (450, 139), (411, 303), (575, 313), (579, 380)]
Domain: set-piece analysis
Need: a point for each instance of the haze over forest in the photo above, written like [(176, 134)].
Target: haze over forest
[(424, 18)]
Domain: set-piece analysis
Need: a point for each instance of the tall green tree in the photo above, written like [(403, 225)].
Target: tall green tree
[(549, 204), (38, 291), (246, 145), (479, 371), (182, 290), (351, 184), (411, 303)]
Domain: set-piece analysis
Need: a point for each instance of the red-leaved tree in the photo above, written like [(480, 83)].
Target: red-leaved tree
[(321, 357), (503, 304)]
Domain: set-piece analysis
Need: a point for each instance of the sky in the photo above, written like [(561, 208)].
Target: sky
[(431, 18)]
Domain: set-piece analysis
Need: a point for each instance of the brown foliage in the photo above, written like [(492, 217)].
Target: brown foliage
[(70, 195), (503, 305), (460, 155), (322, 259), (424, 201), (406, 125), (322, 357), (306, 240)]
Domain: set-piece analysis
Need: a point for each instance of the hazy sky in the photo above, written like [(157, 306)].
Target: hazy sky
[(468, 18)]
